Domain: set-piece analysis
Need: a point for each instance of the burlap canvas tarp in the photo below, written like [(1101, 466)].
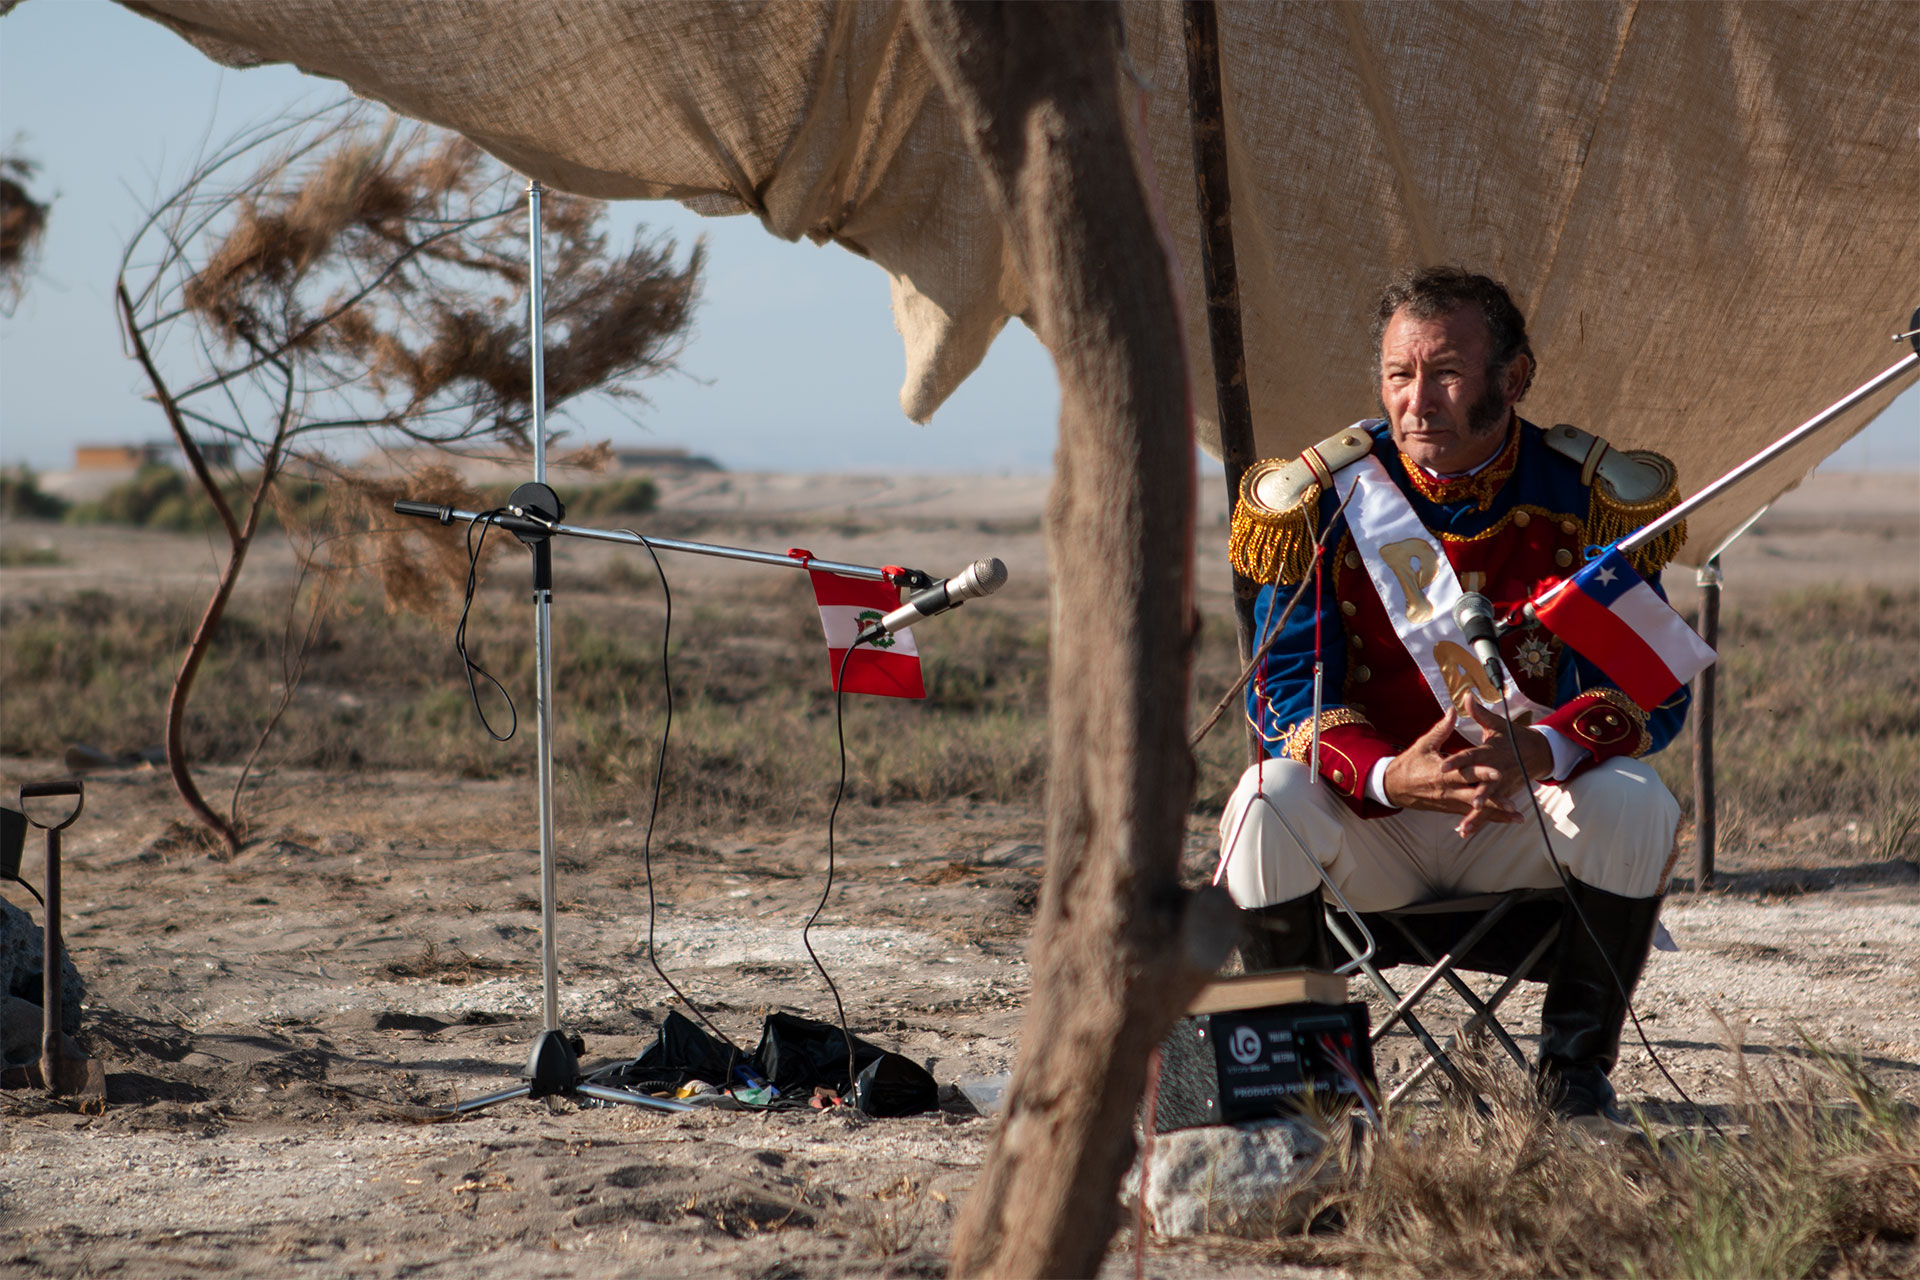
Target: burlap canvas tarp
[(1707, 210)]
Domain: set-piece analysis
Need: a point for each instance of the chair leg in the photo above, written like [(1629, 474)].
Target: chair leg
[(1403, 1012), (1484, 1015), (1483, 1010)]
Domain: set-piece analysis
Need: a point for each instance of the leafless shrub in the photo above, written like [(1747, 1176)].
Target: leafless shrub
[(343, 274), (416, 565)]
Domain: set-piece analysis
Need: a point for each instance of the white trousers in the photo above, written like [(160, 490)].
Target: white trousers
[(1612, 828)]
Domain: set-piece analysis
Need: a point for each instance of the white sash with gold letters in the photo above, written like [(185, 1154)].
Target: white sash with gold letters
[(1417, 585)]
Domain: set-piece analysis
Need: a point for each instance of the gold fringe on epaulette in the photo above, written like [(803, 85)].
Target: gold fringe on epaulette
[(1609, 520), (1274, 546)]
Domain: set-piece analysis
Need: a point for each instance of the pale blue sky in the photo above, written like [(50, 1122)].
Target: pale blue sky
[(794, 365)]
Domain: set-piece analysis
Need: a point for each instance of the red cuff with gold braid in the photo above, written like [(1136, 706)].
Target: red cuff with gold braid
[(1606, 722), (1349, 748)]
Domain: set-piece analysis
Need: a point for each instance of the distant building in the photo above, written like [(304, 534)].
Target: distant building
[(131, 457), (97, 468)]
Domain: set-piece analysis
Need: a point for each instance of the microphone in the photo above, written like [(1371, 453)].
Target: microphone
[(981, 578), (1474, 615)]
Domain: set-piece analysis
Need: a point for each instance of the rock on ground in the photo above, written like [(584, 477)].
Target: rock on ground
[(21, 938), (1224, 1179)]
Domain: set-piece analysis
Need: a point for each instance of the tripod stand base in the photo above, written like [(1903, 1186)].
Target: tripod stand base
[(553, 1071)]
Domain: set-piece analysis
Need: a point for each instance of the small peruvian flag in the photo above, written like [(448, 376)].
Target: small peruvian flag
[(889, 666), (1609, 614)]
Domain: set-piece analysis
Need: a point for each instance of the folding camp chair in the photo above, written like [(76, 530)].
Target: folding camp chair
[(1445, 935), (1507, 934)]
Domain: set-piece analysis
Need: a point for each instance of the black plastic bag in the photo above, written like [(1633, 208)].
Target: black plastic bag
[(682, 1053), (799, 1055), (795, 1055), (892, 1085)]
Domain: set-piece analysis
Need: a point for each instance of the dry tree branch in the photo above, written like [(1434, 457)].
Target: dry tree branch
[(293, 664), (364, 281), (320, 323), (170, 406)]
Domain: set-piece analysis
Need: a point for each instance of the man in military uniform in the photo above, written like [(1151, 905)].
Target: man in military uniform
[(1419, 793)]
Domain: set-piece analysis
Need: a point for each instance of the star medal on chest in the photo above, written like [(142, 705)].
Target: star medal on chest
[(1535, 655)]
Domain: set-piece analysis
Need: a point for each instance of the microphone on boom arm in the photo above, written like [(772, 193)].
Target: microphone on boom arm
[(982, 577), (1474, 615)]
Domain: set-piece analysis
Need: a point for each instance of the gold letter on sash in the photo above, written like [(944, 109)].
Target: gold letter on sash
[(1412, 562), (1465, 675)]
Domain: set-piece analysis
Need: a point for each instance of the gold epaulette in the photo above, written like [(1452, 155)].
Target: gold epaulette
[(1273, 522), (1626, 488)]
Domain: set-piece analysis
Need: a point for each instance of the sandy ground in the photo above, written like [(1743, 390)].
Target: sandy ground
[(276, 1027)]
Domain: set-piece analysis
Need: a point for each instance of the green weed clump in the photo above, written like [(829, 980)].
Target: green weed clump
[(163, 498), (625, 496), (22, 498), (1815, 1172), (15, 556)]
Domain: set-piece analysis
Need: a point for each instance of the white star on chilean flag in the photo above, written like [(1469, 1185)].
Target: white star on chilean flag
[(889, 666), (1610, 614)]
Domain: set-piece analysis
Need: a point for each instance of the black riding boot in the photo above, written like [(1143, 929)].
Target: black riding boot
[(1286, 935), (1584, 1009)]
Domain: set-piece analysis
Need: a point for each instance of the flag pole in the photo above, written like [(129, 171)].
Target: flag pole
[(1877, 383)]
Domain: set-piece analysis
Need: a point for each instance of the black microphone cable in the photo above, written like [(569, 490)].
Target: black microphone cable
[(839, 792), (484, 521), (1573, 900), (653, 809)]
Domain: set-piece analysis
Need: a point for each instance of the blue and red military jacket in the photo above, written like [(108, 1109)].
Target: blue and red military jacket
[(1510, 530)]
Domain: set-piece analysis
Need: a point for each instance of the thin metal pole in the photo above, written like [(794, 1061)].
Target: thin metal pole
[(777, 559), (1887, 377), (1704, 814), (543, 624), (1206, 113), (543, 659), (536, 316)]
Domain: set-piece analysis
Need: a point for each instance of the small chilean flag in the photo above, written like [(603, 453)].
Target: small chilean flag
[(889, 666), (1609, 614)]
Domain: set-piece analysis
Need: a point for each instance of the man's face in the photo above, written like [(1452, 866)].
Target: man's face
[(1445, 413)]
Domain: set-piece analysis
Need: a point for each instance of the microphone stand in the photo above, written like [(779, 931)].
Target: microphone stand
[(535, 516)]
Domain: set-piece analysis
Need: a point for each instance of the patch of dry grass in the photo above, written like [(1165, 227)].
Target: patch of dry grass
[(753, 732), (1816, 1173), (1819, 715), (1821, 710), (448, 965)]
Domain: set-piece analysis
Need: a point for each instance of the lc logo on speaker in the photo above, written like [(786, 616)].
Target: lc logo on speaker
[(1245, 1045)]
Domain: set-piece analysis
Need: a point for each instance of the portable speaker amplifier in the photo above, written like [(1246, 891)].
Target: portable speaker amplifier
[(1255, 1064)]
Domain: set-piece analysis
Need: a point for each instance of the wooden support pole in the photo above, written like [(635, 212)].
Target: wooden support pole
[(1119, 947), (1206, 111), (1704, 827)]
